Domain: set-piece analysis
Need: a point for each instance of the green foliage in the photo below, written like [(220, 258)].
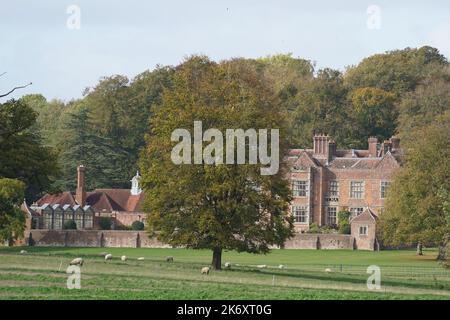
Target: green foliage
[(344, 222), (417, 204), (70, 225), (12, 219), (105, 223), (22, 155), (137, 225), (207, 206), (316, 229)]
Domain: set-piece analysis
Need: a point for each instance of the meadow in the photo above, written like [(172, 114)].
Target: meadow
[(41, 274)]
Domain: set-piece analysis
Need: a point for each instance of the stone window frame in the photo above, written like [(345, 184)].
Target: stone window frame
[(333, 192), (384, 186), (296, 191), (365, 228), (362, 191), (300, 208), (335, 215)]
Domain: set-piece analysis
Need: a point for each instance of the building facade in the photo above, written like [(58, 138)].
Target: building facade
[(86, 208), (326, 180)]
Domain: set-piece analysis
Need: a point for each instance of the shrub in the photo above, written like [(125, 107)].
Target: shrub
[(344, 222), (314, 228), (123, 227), (70, 225), (137, 225), (105, 223)]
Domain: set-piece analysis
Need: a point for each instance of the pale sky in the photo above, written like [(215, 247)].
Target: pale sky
[(130, 36)]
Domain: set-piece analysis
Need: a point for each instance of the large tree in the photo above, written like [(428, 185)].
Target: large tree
[(12, 219), (222, 206), (417, 208), (22, 155)]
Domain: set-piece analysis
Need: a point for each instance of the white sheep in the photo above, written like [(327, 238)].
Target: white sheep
[(23, 252), (281, 266), (123, 258), (108, 257), (169, 259), (261, 266), (227, 265), (141, 258), (205, 270), (327, 270), (77, 262)]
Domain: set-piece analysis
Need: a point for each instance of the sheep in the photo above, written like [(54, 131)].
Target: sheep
[(76, 262), (205, 270), (281, 266), (327, 270), (123, 258), (261, 266), (23, 252), (141, 258), (169, 259), (108, 257), (227, 265)]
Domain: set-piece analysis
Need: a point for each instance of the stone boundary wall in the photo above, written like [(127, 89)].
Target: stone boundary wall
[(140, 239)]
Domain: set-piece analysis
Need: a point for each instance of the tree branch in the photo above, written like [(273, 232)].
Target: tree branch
[(14, 89)]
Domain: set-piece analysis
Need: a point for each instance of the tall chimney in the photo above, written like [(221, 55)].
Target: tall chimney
[(80, 196), (373, 142)]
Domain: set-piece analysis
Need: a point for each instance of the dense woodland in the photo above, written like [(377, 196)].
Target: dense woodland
[(402, 92)]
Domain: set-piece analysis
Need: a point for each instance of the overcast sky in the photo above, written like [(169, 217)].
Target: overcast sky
[(130, 36)]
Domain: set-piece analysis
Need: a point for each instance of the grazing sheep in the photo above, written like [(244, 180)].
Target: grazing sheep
[(227, 265), (169, 259), (261, 266), (141, 258), (76, 262), (108, 257), (23, 252), (327, 270), (123, 258), (281, 266), (205, 270)]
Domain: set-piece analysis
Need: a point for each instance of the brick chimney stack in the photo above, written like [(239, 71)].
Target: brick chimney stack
[(373, 142), (324, 147), (80, 196)]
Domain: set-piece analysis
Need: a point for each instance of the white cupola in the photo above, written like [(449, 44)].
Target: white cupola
[(135, 189)]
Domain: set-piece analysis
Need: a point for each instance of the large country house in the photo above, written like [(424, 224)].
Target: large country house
[(123, 206), (325, 180)]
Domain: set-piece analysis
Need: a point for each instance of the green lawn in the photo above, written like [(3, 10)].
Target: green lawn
[(40, 274)]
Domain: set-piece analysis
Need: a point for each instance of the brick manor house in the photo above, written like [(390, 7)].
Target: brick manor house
[(326, 180)]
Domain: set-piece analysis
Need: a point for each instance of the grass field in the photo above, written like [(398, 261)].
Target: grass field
[(41, 274)]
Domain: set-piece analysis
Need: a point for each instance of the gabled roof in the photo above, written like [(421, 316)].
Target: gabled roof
[(30, 212), (101, 200), (388, 161), (367, 216)]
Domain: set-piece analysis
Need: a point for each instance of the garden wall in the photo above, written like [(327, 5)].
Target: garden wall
[(140, 239)]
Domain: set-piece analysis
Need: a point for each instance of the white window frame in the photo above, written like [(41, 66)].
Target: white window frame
[(299, 208), (335, 215), (384, 186), (296, 192), (362, 189), (355, 212), (365, 228)]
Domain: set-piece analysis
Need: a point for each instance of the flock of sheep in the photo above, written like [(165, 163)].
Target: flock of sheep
[(204, 270)]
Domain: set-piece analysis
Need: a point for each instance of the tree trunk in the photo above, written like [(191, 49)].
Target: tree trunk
[(443, 249), (217, 258)]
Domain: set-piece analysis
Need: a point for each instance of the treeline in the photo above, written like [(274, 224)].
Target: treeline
[(385, 94)]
